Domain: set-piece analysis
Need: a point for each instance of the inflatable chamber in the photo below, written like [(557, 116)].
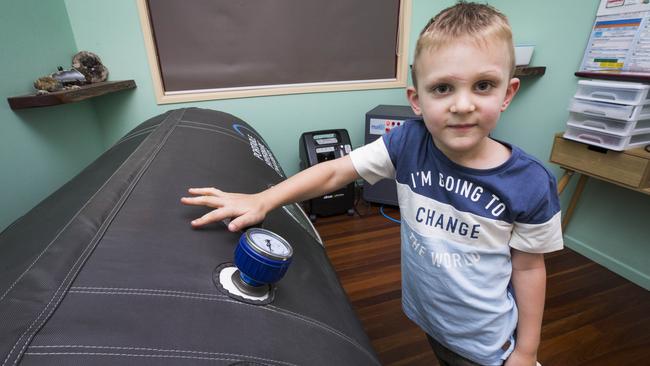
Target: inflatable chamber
[(108, 271)]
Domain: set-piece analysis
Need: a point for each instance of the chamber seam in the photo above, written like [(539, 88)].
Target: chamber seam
[(227, 299), (100, 232), (163, 350), (236, 137), (127, 355), (64, 227), (82, 289)]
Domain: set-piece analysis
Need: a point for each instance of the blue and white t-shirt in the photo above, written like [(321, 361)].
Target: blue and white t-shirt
[(458, 225)]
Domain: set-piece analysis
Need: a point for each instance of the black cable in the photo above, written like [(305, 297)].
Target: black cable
[(358, 199)]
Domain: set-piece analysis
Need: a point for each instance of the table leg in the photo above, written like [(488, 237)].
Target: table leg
[(564, 181), (574, 201)]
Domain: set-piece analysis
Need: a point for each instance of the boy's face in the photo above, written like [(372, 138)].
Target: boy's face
[(462, 90)]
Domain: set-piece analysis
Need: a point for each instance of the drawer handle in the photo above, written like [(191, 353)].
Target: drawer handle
[(604, 95), (588, 137), (595, 124), (594, 113)]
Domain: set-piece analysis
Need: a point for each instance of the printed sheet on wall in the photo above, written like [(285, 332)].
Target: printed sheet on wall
[(620, 38)]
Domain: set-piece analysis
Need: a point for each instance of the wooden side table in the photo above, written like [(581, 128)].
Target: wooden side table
[(629, 169)]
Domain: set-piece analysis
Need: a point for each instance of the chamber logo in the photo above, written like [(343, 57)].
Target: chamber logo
[(258, 148)]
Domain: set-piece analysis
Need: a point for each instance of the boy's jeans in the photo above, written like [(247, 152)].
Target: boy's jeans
[(447, 357)]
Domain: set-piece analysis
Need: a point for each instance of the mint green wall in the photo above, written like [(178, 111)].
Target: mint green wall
[(40, 149), (610, 223), (607, 224)]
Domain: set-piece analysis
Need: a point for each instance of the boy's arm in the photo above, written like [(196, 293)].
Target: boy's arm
[(529, 283), (249, 209)]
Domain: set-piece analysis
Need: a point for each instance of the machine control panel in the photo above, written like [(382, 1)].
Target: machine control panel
[(380, 121), (326, 139), (381, 126), (328, 146)]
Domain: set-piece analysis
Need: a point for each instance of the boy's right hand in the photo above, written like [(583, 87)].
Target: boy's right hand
[(246, 209)]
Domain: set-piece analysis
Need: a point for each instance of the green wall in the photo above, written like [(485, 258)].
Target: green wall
[(606, 226), (40, 149)]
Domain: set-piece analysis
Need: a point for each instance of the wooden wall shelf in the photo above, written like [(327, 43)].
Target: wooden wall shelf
[(613, 75), (524, 71), (69, 96)]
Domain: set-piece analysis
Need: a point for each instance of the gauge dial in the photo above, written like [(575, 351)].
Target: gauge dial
[(269, 244), (262, 257)]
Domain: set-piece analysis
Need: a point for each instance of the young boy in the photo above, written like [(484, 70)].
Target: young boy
[(477, 213)]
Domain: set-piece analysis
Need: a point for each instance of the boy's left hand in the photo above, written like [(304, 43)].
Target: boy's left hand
[(244, 209), (518, 358)]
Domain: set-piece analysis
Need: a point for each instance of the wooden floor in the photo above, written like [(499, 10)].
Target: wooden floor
[(593, 316)]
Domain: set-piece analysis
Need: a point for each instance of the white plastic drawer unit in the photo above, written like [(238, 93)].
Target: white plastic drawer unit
[(612, 126), (606, 140), (610, 110), (613, 92)]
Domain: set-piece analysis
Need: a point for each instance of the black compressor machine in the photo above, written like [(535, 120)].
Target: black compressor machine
[(319, 146)]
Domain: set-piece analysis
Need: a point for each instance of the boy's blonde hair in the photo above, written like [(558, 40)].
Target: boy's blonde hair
[(480, 23)]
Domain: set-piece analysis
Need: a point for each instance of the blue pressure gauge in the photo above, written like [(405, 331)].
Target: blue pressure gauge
[(262, 258)]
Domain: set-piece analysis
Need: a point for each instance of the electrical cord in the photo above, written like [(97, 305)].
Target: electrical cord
[(357, 198), (358, 191), (381, 210)]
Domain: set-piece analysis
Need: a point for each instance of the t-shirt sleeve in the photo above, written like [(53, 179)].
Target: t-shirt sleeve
[(372, 161), (540, 230)]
